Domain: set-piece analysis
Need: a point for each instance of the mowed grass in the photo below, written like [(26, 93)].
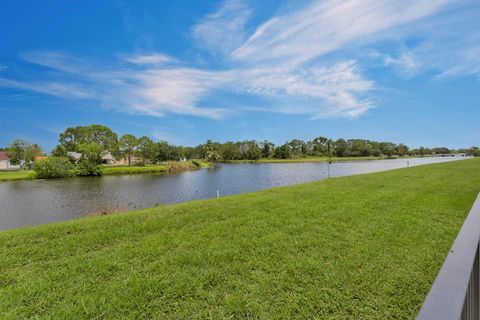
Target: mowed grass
[(17, 175), (360, 247)]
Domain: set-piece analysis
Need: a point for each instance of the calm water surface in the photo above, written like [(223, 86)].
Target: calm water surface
[(34, 202)]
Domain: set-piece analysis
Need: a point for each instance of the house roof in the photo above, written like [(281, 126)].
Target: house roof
[(106, 155), (3, 155), (74, 155)]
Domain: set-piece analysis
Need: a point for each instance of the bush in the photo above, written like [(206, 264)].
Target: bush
[(53, 167), (197, 163), (86, 168), (90, 161)]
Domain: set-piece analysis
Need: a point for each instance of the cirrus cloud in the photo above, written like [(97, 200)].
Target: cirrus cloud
[(301, 61)]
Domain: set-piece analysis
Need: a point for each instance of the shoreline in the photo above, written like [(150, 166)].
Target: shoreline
[(177, 166), (324, 159), (170, 167)]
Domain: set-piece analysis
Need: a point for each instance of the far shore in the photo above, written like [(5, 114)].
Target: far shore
[(326, 159), (178, 166), (169, 167)]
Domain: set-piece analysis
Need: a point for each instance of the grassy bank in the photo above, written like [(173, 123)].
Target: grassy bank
[(118, 170), (359, 247), (173, 166), (17, 175), (114, 170)]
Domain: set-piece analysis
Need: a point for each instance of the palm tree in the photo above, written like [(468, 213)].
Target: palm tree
[(212, 156)]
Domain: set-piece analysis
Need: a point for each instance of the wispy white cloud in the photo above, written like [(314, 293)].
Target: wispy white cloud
[(62, 90), (325, 26), (224, 30), (404, 62), (468, 62), (158, 89), (61, 61), (302, 61), (147, 88), (281, 59), (150, 59), (335, 90), (176, 90)]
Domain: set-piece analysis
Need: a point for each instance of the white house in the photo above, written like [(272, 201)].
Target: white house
[(5, 162), (74, 155), (107, 157)]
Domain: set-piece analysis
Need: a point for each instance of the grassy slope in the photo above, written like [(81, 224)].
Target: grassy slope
[(17, 175), (360, 247)]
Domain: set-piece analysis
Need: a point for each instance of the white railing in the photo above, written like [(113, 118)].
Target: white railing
[(455, 292)]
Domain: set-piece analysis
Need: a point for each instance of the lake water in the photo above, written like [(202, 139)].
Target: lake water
[(41, 201)]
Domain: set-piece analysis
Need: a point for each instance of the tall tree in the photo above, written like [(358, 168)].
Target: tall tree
[(72, 137), (282, 152), (296, 146), (319, 145), (23, 153), (267, 148), (146, 148), (128, 145), (166, 152), (213, 156), (342, 148)]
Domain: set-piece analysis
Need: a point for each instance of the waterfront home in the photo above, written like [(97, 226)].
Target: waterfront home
[(74, 155), (5, 162), (107, 157), (133, 160)]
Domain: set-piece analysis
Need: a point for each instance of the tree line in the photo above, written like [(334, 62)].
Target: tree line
[(318, 147), (93, 141)]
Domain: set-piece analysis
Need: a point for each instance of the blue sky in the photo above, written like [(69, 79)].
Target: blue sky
[(186, 71)]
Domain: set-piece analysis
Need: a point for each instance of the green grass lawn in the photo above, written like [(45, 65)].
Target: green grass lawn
[(16, 175), (359, 247)]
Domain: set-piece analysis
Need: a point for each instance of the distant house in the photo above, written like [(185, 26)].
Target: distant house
[(133, 160), (107, 157), (74, 155), (40, 158), (5, 162)]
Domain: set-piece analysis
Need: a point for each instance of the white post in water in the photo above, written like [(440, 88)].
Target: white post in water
[(329, 151), (408, 164), (218, 193)]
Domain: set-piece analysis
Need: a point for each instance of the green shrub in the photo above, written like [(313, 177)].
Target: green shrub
[(86, 168), (53, 167), (197, 163), (90, 161)]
